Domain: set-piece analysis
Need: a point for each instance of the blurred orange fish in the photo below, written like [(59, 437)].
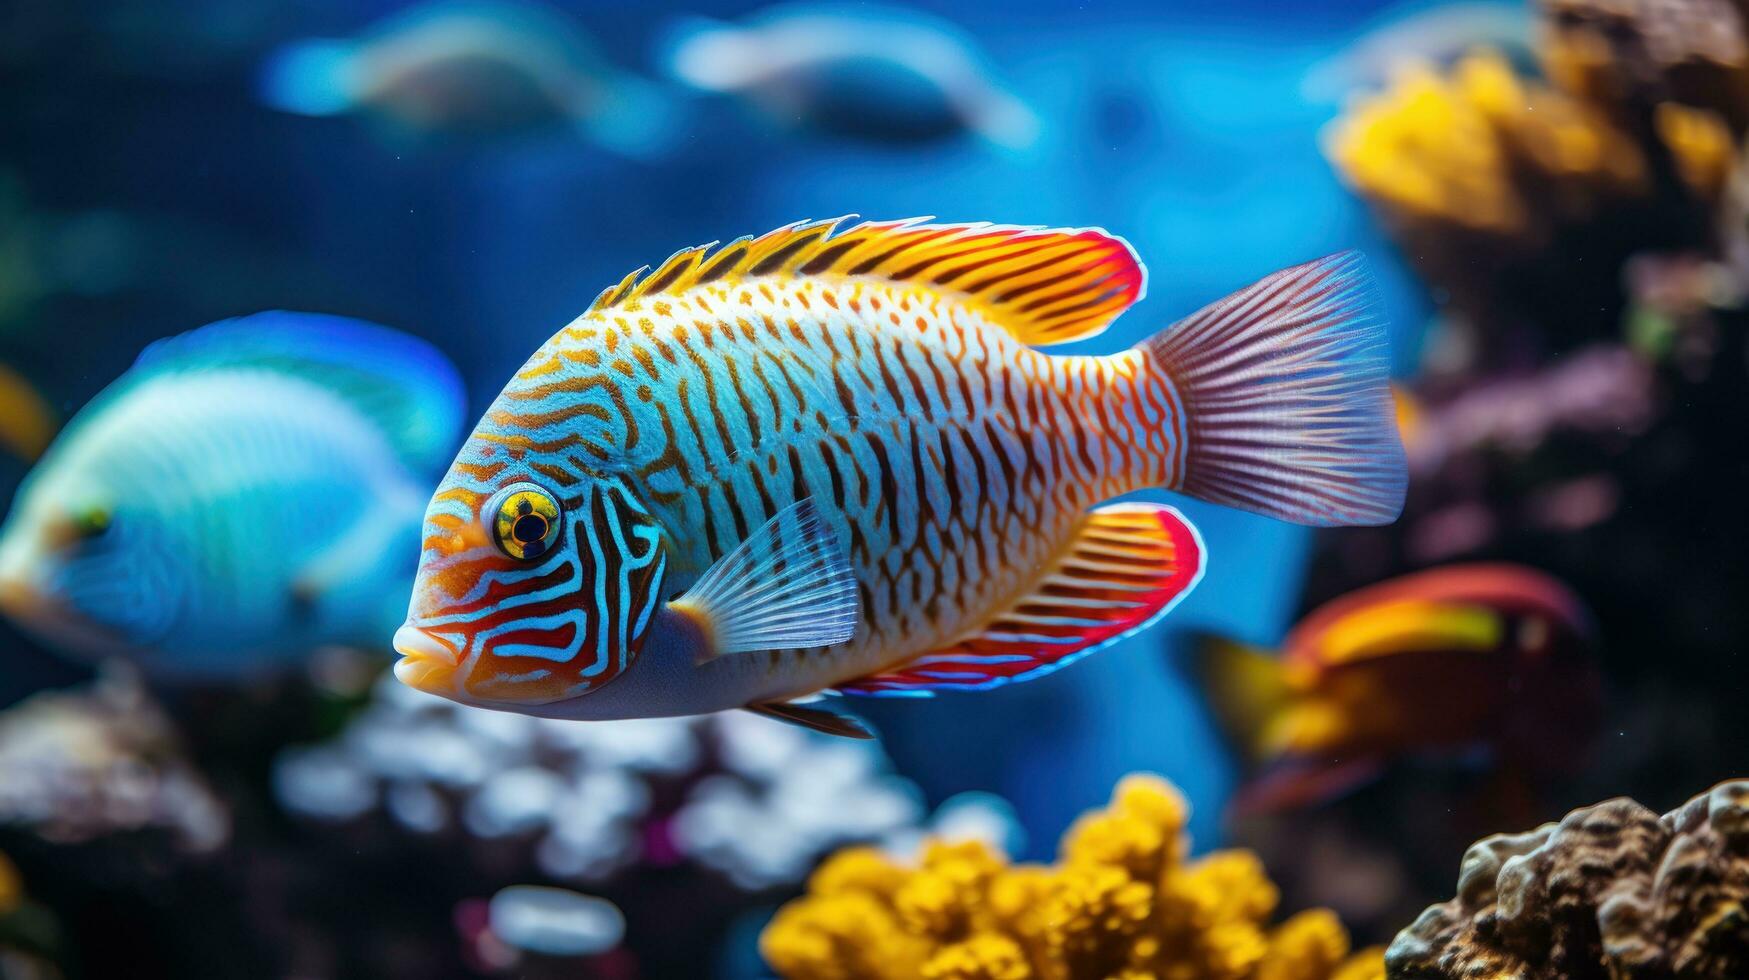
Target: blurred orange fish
[(27, 423), (1486, 659)]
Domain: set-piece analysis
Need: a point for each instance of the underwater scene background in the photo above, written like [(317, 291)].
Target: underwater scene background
[(1281, 774)]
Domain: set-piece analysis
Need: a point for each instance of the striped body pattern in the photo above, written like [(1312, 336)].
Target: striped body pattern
[(215, 512), (882, 377)]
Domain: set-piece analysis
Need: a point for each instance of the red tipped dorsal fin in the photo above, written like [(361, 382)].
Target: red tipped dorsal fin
[(1044, 285), (1127, 566)]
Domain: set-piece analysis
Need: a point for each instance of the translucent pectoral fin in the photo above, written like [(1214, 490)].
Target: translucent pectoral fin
[(817, 719), (788, 586)]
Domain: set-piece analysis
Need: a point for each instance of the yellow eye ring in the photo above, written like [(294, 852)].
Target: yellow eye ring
[(524, 520)]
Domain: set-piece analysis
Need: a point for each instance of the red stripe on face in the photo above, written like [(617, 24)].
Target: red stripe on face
[(492, 676)]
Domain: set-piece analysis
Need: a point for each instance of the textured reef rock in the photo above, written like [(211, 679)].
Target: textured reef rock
[(1624, 54), (1121, 902), (83, 764), (1612, 892)]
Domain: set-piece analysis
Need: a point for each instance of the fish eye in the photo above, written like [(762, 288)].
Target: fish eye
[(91, 521), (524, 519)]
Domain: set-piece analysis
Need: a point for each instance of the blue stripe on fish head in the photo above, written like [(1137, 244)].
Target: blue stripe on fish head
[(537, 581)]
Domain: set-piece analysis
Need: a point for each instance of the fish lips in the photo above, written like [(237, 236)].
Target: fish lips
[(427, 662)]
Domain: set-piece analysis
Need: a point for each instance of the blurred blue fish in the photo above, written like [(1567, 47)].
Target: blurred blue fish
[(243, 493), (1421, 34), (479, 68), (880, 74)]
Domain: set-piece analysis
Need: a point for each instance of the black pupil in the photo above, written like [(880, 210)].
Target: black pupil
[(529, 528)]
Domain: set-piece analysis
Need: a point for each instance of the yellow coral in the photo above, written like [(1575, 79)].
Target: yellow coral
[(1701, 145), (1471, 149), (1120, 904), (1368, 964), (986, 956), (1091, 917), (1308, 946), (848, 936), (940, 898), (1422, 148), (863, 869)]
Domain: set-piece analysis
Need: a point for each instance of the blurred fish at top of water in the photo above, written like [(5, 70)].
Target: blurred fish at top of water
[(1419, 33), (881, 74), (1446, 662), (474, 68), (244, 492), (833, 458)]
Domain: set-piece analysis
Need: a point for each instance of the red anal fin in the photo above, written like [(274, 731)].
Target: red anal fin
[(1128, 565), (818, 719)]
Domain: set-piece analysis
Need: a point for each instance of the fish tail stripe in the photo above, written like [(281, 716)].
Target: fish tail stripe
[(1064, 617), (1286, 398), (1046, 286)]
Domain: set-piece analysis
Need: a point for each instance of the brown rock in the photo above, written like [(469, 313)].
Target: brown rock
[(1612, 892)]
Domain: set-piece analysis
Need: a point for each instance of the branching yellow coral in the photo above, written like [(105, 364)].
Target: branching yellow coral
[(1121, 903), (1513, 196), (1475, 148)]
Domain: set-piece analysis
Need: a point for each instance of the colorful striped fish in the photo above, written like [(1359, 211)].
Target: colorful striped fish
[(1440, 663), (830, 459), (245, 492)]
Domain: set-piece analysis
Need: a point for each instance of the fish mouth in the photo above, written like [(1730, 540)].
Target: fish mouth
[(19, 598), (427, 663), (52, 620)]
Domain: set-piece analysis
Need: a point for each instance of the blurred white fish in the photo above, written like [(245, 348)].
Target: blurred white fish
[(760, 803), (473, 68), (555, 921), (244, 493), (1420, 33), (881, 74)]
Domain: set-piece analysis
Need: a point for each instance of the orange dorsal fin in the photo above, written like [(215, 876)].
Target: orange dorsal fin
[(1043, 285), (1125, 567)]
